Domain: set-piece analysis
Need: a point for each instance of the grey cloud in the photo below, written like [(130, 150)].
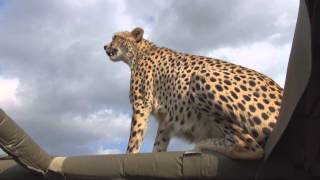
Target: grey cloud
[(197, 26), (55, 49)]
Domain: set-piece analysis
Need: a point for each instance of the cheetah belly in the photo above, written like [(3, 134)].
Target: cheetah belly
[(195, 129)]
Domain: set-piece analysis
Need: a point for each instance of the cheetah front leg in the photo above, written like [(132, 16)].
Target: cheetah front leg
[(232, 146), (138, 129), (162, 139)]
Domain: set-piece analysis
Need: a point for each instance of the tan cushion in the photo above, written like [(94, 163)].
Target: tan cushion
[(19, 145)]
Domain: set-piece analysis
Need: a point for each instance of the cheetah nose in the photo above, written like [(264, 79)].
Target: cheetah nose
[(105, 47)]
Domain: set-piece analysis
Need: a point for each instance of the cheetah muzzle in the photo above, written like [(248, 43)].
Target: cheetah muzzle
[(217, 105)]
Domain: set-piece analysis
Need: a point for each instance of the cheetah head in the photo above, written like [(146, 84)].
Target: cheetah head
[(124, 45)]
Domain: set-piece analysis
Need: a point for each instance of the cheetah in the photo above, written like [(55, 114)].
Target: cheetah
[(219, 106)]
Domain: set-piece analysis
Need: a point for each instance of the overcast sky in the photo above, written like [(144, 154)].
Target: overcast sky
[(58, 84)]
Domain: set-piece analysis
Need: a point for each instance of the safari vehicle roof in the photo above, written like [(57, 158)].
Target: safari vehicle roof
[(293, 149)]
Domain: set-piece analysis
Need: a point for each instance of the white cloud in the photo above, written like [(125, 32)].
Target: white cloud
[(102, 150), (261, 56), (280, 79), (2, 153), (106, 124), (8, 91), (179, 145), (80, 3)]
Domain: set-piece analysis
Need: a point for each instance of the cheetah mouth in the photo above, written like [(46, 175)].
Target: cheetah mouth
[(112, 53)]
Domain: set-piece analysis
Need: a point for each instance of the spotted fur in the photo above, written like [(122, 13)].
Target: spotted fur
[(215, 104)]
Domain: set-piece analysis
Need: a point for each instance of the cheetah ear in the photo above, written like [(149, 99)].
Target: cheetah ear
[(137, 33)]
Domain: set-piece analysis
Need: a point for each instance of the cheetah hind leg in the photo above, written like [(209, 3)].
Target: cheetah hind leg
[(231, 146)]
